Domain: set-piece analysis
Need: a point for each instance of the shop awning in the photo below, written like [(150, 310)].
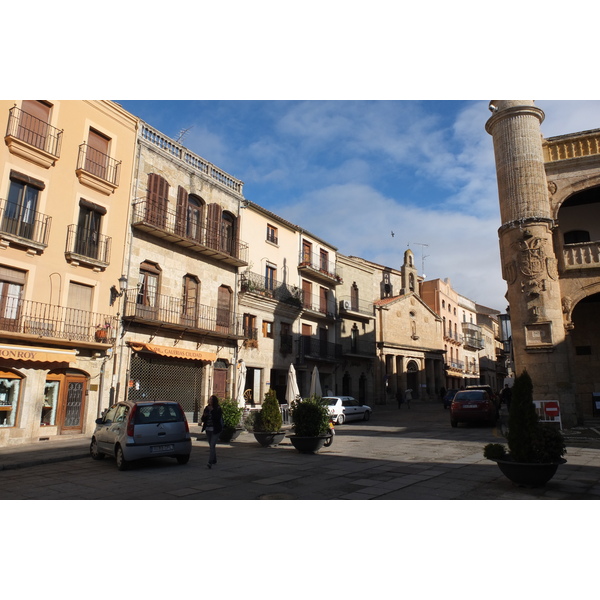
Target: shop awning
[(173, 352), (32, 354)]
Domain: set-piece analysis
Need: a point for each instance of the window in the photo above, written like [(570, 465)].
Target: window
[(267, 327), (87, 239), (96, 157), (21, 207), (195, 216), (285, 345), (324, 260), (272, 234), (191, 293), (10, 386), (306, 252), (224, 309), (576, 237), (354, 338), (33, 124), (411, 282), (270, 277), (148, 285), (157, 200), (249, 324), (228, 233), (354, 297), (306, 294), (12, 282), (48, 416), (323, 295), (79, 303)]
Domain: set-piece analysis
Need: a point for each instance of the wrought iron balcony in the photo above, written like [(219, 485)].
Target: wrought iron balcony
[(319, 267), (34, 132), (318, 304), (261, 285), (104, 170), (28, 227), (317, 349), (353, 307), (170, 312), (38, 320), (87, 247), (188, 233)]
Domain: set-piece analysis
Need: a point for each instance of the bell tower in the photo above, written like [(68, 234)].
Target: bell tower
[(529, 263), (408, 274)]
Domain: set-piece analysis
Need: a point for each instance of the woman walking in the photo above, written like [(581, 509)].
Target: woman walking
[(212, 423)]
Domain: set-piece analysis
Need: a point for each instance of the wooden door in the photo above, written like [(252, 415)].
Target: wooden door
[(72, 389)]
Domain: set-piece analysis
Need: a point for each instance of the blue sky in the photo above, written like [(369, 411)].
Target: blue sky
[(353, 171)]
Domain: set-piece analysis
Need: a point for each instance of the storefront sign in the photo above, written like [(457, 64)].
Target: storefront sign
[(27, 353), (173, 352)]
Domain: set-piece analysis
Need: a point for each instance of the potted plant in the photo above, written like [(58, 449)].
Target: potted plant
[(101, 333), (535, 450), (268, 421), (232, 416), (310, 422)]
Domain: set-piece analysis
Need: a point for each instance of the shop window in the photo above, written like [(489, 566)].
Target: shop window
[(50, 403), (10, 386)]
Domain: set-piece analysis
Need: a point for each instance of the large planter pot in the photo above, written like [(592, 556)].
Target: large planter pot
[(308, 445), (229, 434), (528, 474), (269, 438)]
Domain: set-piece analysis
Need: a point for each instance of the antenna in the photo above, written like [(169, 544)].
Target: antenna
[(182, 134), (423, 256)]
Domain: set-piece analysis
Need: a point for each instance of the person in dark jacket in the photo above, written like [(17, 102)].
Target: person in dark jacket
[(212, 423)]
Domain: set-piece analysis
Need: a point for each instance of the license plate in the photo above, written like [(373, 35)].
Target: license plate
[(469, 405), (162, 448)]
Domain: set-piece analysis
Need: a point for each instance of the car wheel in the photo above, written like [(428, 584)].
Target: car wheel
[(183, 459), (454, 422), (366, 416), (94, 452), (340, 419), (122, 464)]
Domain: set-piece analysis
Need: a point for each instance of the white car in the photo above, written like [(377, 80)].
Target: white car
[(347, 408)]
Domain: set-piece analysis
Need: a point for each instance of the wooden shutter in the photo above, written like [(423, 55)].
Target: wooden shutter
[(306, 294), (96, 157), (158, 200), (213, 226), (223, 309), (181, 215), (33, 124)]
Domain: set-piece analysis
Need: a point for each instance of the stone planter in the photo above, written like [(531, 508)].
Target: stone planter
[(528, 474), (269, 438), (308, 445), (229, 434)]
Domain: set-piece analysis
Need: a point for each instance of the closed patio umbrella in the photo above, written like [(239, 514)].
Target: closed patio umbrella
[(315, 383), (241, 383), (292, 392)]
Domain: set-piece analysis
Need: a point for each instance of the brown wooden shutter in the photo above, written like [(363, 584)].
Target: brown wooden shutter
[(96, 157), (33, 124), (223, 309), (213, 226), (158, 199), (306, 293), (181, 215)]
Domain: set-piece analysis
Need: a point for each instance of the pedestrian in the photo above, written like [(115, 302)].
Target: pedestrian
[(506, 396), (212, 423), (408, 397), (399, 398)]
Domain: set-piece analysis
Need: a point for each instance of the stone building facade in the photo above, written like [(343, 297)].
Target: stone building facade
[(549, 194)]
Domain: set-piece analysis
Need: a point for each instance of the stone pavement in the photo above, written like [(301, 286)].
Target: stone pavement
[(398, 454)]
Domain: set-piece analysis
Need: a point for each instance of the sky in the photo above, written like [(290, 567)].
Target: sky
[(372, 177)]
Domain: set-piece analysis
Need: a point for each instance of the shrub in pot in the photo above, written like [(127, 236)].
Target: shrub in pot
[(535, 450), (232, 416), (268, 421), (310, 422)]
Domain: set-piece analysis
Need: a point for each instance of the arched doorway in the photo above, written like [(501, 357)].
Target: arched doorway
[(584, 335), (412, 378), (66, 390)]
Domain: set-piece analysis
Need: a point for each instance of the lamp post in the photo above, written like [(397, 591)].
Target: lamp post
[(114, 294)]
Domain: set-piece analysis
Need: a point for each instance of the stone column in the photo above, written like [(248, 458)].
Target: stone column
[(529, 264)]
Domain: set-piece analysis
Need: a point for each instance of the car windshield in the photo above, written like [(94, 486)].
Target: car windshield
[(157, 413), (470, 395), (331, 401)]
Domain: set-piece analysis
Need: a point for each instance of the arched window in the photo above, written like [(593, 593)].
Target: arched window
[(411, 282), (191, 295), (148, 285), (228, 233), (354, 297), (195, 217)]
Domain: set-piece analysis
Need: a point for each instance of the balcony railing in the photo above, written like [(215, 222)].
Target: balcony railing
[(454, 336), (87, 246), (577, 145), (40, 320), (317, 349), (358, 347), (261, 285), (98, 164), (473, 341), (320, 267), (167, 224), (349, 304), (34, 131), (318, 304), (27, 225), (456, 364), (171, 312), (584, 255)]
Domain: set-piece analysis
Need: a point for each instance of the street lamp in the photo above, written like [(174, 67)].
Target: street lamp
[(114, 294)]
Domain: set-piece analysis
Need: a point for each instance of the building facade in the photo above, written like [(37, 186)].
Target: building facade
[(549, 194), (65, 181), (181, 329)]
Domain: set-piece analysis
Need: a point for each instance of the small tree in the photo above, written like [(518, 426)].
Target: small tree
[(232, 413), (522, 420), (269, 418)]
